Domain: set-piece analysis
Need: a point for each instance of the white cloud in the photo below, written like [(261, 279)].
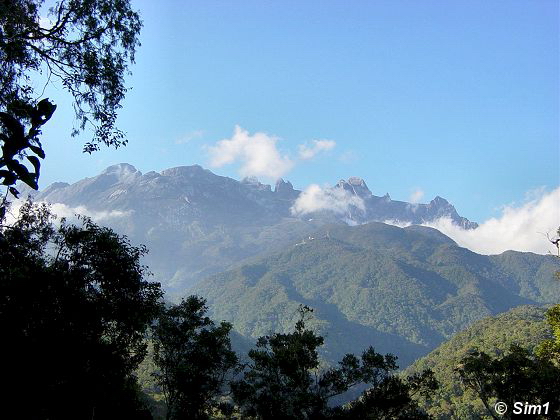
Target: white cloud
[(257, 153), (315, 198), (70, 213), (397, 223), (62, 210), (521, 228), (416, 196), (349, 156), (188, 137), (306, 152)]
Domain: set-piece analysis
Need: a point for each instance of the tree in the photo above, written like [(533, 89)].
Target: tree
[(18, 143), (74, 309), (283, 382), (550, 348), (194, 359), (393, 398), (514, 377), (518, 376), (278, 383), (87, 45)]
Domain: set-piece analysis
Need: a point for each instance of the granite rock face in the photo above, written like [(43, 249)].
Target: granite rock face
[(197, 223), (382, 209)]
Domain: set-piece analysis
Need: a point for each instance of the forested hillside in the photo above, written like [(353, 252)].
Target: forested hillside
[(404, 291), (524, 326), (197, 223)]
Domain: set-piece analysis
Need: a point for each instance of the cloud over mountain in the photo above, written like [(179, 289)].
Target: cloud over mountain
[(257, 154), (70, 213), (522, 228), (416, 196), (315, 198)]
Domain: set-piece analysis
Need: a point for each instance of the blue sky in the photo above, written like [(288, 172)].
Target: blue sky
[(452, 98)]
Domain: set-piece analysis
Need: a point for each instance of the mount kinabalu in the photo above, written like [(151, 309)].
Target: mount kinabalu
[(379, 209), (196, 223)]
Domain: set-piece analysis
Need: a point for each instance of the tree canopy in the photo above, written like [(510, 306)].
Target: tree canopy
[(74, 309), (194, 359), (284, 381), (516, 377), (87, 46)]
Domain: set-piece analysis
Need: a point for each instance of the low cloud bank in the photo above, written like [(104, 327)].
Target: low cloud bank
[(519, 228), (69, 213), (62, 210), (316, 198), (522, 228)]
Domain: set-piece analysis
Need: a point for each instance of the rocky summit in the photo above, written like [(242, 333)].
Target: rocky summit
[(197, 223)]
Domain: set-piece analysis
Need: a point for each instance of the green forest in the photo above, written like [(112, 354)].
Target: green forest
[(90, 336), (331, 328)]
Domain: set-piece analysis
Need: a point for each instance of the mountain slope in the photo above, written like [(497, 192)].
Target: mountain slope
[(196, 223), (524, 326), (403, 290)]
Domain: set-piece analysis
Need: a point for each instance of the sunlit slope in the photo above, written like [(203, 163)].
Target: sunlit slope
[(402, 290), (524, 326)]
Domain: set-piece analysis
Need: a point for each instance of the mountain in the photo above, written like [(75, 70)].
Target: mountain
[(196, 223), (383, 208), (402, 290), (524, 326)]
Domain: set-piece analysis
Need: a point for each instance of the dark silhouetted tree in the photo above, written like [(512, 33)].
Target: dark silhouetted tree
[(194, 359), (86, 45), (283, 380), (393, 399), (74, 309), (16, 143)]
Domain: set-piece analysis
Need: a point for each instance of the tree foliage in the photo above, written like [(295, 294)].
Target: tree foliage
[(87, 46), (523, 326), (517, 376), (550, 348), (194, 359), (16, 143), (74, 308), (394, 398), (283, 381)]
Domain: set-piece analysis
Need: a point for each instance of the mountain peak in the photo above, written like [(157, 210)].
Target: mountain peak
[(120, 169), (185, 171), (282, 186), (250, 180), (121, 172), (439, 201), (354, 185), (253, 183), (357, 181)]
